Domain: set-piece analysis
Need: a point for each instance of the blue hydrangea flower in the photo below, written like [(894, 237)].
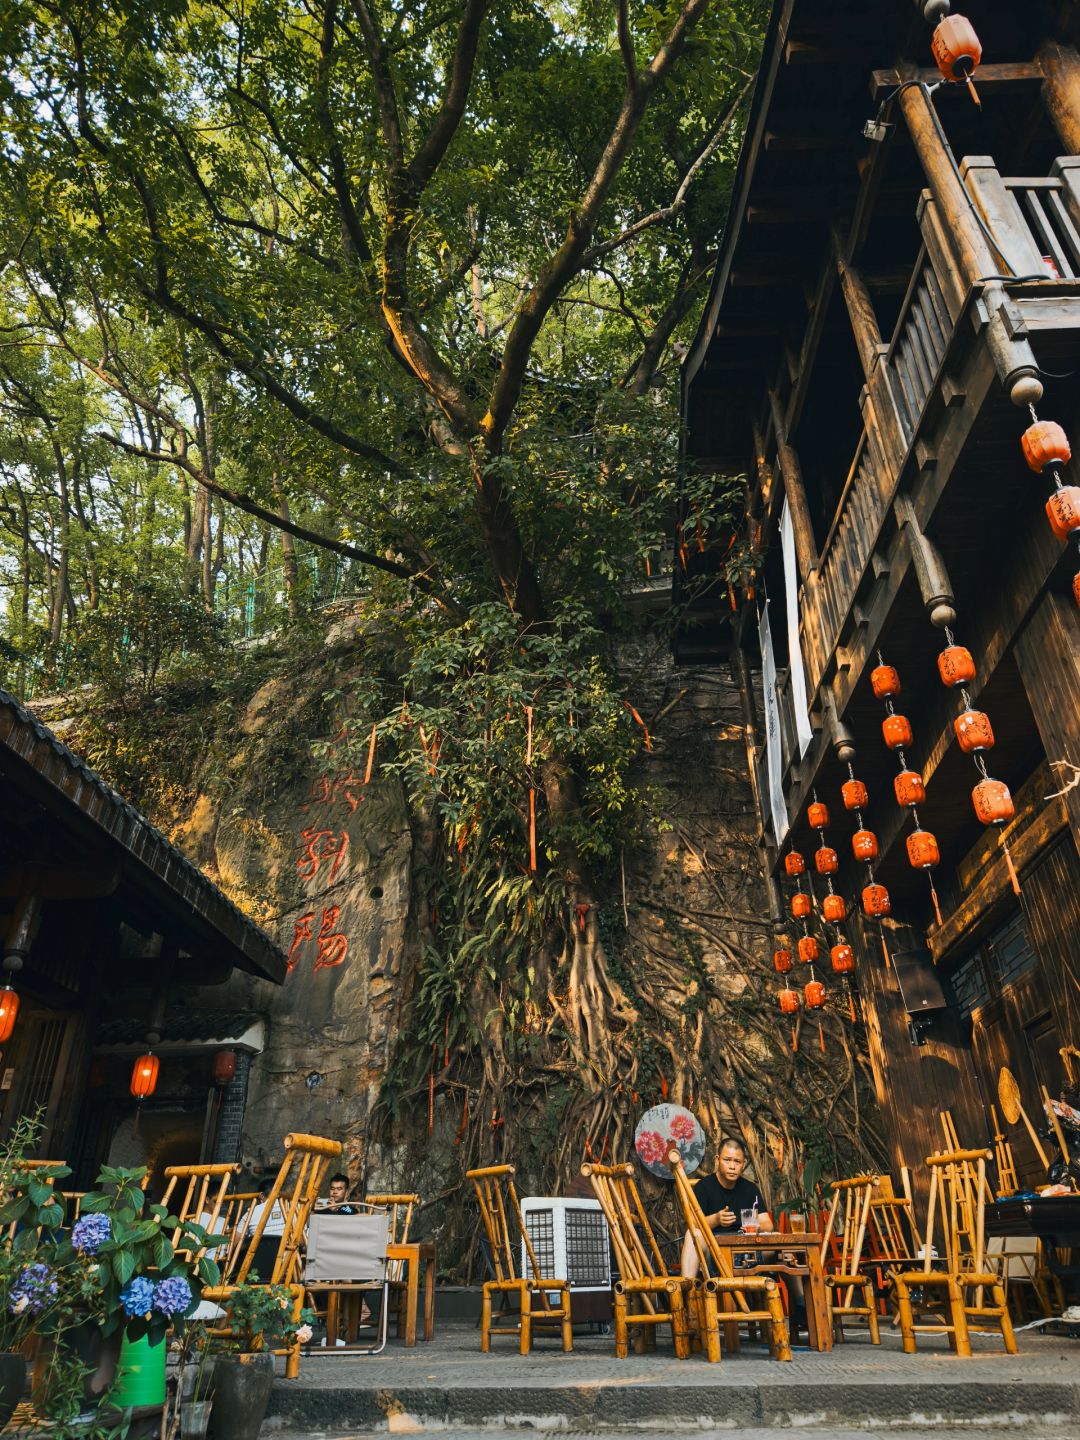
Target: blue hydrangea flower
[(34, 1290), (90, 1233), (172, 1296), (137, 1296)]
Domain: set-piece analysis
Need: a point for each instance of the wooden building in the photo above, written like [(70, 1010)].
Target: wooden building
[(104, 927), (898, 284)]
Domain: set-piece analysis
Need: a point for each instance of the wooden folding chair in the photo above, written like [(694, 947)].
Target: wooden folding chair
[(711, 1291), (296, 1188), (198, 1193), (498, 1200), (846, 1282), (643, 1278), (958, 1190), (404, 1272)]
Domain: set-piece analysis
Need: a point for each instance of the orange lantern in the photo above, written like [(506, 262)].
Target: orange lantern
[(956, 666), (897, 731), (875, 900), (909, 788), (826, 860), (1063, 511), (834, 909), (864, 843), (843, 959), (224, 1067), (956, 47), (922, 850), (782, 961), (144, 1076), (817, 815), (855, 796), (9, 1013), (1045, 443), (885, 681), (794, 863), (974, 731), (992, 801), (809, 950), (800, 905), (814, 991), (1076, 588), (789, 1001)]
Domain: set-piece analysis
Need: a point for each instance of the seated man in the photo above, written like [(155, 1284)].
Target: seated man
[(337, 1201)]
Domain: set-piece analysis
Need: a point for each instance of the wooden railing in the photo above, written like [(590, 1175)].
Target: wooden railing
[(918, 346), (1043, 205)]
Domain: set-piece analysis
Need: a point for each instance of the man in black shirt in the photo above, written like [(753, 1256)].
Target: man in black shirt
[(721, 1197), (337, 1204)]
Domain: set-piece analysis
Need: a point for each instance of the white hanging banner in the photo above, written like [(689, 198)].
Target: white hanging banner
[(803, 732), (773, 760)]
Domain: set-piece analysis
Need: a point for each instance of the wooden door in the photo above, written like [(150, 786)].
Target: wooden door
[(36, 1064)]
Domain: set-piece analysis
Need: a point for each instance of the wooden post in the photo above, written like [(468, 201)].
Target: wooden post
[(1048, 656), (806, 554), (1061, 91), (860, 309)]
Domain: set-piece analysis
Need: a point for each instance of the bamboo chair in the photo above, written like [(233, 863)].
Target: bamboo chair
[(204, 1191), (643, 1278), (236, 1219), (854, 1196), (1018, 1260), (958, 1189), (498, 1199), (297, 1186), (711, 1289), (403, 1275)]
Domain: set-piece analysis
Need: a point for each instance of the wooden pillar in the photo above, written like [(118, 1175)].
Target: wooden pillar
[(860, 309), (806, 553), (1061, 92), (1048, 657)]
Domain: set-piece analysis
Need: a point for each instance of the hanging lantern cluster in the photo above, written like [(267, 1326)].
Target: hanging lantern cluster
[(956, 48), (1046, 449), (923, 851), (864, 846)]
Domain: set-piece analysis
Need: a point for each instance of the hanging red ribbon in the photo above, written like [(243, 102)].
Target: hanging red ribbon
[(464, 1121), (431, 1097), (532, 828), (821, 1036), (528, 734), (371, 754), (581, 912), (663, 1086), (641, 722)]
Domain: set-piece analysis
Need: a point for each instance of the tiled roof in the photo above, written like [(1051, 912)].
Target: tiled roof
[(179, 1026)]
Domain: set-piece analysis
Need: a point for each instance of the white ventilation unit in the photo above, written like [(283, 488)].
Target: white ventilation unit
[(570, 1241)]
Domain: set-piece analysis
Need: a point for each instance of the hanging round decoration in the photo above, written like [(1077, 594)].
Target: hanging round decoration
[(664, 1126)]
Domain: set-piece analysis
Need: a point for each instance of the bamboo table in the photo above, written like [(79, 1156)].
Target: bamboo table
[(804, 1243)]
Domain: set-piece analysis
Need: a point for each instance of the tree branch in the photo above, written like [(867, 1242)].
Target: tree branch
[(626, 41)]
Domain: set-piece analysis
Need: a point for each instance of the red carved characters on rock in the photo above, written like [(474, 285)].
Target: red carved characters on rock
[(320, 845)]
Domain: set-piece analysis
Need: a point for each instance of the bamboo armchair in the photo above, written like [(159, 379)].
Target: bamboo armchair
[(958, 1189), (711, 1291), (204, 1191), (645, 1294), (854, 1196), (498, 1201), (296, 1188)]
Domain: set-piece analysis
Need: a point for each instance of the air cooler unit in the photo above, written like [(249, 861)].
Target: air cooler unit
[(570, 1241)]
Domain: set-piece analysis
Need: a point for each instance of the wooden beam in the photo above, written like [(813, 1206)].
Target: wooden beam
[(1019, 75), (1061, 92), (791, 471), (87, 880), (860, 308)]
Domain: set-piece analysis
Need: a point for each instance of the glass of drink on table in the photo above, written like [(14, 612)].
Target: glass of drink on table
[(797, 1221), (748, 1221)]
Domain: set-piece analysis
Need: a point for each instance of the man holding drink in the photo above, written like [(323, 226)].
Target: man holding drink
[(728, 1201)]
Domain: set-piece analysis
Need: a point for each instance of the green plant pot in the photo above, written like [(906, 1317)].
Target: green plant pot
[(242, 1385), (140, 1373), (12, 1384)]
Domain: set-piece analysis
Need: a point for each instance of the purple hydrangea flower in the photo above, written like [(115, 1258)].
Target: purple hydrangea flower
[(34, 1290), (90, 1233), (137, 1297), (172, 1296)]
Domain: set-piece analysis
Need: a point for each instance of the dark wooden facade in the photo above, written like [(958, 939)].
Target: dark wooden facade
[(884, 310)]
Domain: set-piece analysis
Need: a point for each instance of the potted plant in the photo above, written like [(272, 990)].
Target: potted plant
[(261, 1317), (194, 1383)]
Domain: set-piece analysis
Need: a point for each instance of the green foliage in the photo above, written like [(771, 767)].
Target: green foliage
[(262, 1316)]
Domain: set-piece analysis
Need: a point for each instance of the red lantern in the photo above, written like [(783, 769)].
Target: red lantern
[(794, 863), (826, 860), (789, 1001), (98, 1072), (956, 47), (843, 959), (814, 991), (144, 1076), (782, 961), (855, 796), (1063, 511), (875, 900), (224, 1067), (922, 850), (834, 909), (974, 731), (809, 950), (817, 815), (993, 803), (864, 844), (800, 905), (1045, 443), (909, 788), (956, 666), (897, 731), (1076, 588), (9, 1013), (885, 681)]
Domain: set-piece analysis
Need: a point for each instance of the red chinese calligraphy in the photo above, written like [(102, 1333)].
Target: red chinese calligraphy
[(320, 845), (333, 946), (325, 790), (301, 933), (350, 788)]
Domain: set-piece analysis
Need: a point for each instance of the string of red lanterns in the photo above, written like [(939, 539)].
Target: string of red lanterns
[(1046, 448)]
